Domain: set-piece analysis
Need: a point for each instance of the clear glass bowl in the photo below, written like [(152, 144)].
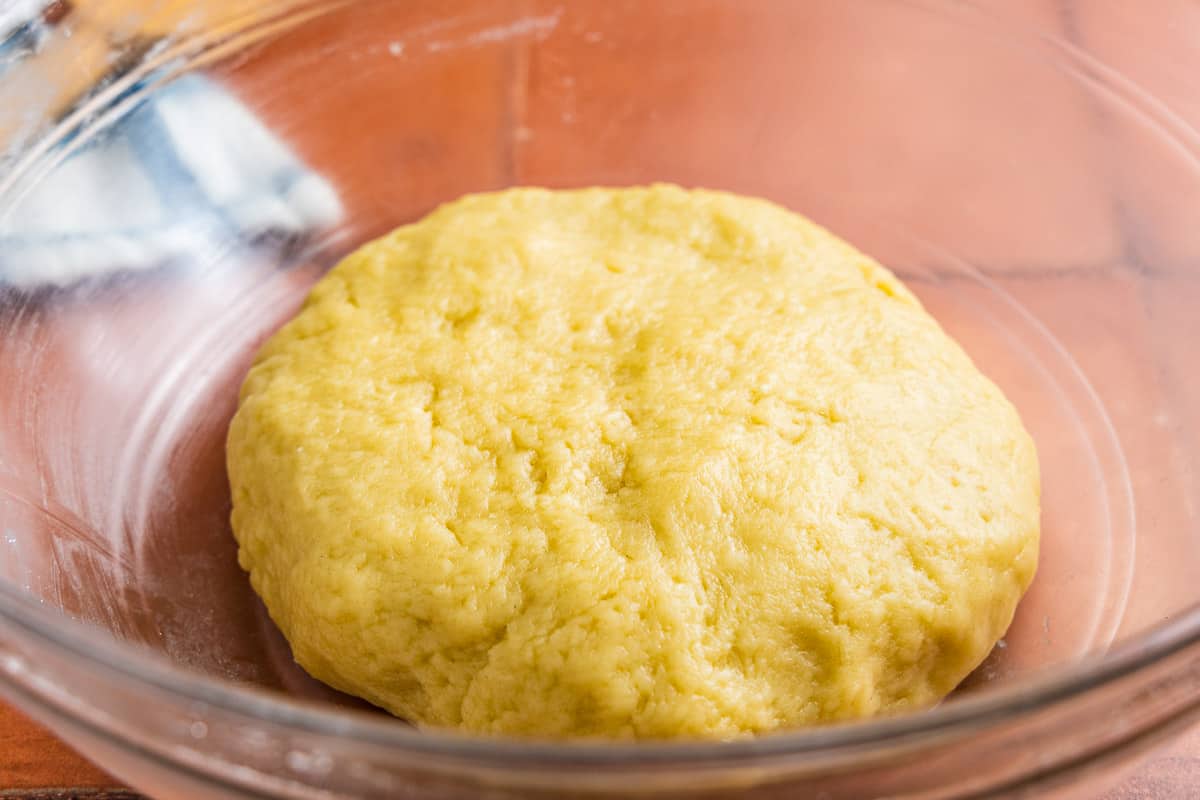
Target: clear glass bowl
[(1041, 204)]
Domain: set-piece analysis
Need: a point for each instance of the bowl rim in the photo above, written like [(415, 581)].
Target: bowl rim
[(1033, 694), (1037, 693)]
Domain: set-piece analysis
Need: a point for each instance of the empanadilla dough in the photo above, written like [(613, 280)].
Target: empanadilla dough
[(628, 463)]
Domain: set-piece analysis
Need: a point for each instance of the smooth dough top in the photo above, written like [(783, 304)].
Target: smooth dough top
[(628, 463)]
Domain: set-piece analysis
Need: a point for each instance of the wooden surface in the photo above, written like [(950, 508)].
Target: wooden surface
[(34, 764), (32, 759)]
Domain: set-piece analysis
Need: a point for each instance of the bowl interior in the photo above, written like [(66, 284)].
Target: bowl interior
[(1017, 193)]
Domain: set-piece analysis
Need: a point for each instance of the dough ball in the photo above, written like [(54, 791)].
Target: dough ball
[(628, 463)]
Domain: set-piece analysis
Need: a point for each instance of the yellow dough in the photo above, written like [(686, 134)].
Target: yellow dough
[(628, 463)]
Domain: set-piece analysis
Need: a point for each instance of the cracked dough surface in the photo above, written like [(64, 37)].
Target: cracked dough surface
[(630, 463)]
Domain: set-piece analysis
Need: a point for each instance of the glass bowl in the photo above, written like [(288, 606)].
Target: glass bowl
[(1040, 202)]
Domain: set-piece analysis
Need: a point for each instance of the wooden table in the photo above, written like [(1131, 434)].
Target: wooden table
[(34, 764)]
